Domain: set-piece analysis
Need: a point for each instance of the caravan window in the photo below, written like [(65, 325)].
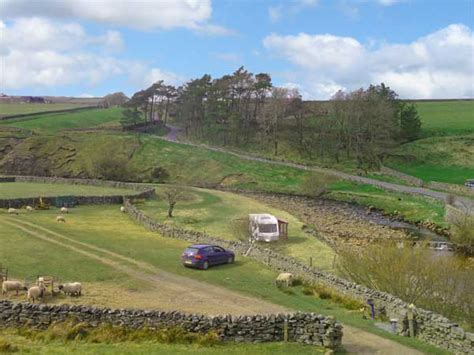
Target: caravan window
[(267, 228)]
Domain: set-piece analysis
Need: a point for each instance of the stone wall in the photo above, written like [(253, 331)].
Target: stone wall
[(430, 327), (309, 328), (399, 175), (143, 191)]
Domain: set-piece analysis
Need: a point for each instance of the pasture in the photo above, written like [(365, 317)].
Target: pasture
[(10, 190), (225, 215), (122, 265), (53, 122), (446, 118), (10, 109)]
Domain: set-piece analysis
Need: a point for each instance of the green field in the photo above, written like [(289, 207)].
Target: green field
[(106, 228), (31, 189), (446, 118), (54, 122), (444, 159), (225, 215), (9, 109)]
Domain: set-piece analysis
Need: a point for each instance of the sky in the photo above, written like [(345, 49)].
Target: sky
[(423, 49)]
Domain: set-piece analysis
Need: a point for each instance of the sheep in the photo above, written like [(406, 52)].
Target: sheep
[(122, 209), (64, 210), (71, 288), (29, 209), (12, 211), (285, 278), (60, 218), (12, 286), (35, 292)]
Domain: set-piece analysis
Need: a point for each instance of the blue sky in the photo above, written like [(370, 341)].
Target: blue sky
[(422, 49)]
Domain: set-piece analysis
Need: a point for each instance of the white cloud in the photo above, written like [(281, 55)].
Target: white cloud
[(388, 2), (156, 74), (137, 14), (38, 52), (439, 65), (276, 13)]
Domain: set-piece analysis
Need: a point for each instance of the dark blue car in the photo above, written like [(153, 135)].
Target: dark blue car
[(204, 255)]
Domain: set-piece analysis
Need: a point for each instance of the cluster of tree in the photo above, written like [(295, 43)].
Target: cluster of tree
[(149, 106), (115, 99), (244, 109)]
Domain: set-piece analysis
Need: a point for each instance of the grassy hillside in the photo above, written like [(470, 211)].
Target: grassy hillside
[(54, 122), (8, 109), (28, 189), (444, 159), (446, 118)]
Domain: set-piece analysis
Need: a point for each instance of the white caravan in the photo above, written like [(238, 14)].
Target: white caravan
[(263, 227)]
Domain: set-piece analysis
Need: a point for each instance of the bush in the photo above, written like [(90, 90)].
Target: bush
[(462, 229), (440, 283), (112, 167), (160, 174), (317, 184)]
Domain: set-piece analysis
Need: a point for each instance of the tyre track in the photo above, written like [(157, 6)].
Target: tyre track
[(187, 294)]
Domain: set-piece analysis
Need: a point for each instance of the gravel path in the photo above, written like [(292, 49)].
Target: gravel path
[(461, 202)]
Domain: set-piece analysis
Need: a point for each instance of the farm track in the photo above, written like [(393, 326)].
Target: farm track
[(462, 203), (176, 291)]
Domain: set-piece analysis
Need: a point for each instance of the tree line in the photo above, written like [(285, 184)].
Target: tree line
[(246, 110)]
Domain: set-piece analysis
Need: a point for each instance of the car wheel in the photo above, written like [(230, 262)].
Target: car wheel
[(205, 265), (230, 260)]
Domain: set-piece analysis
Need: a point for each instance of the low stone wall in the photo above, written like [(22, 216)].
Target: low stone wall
[(309, 328), (430, 327), (399, 175), (143, 191), (455, 189)]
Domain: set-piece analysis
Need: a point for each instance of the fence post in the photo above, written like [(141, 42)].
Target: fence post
[(285, 330)]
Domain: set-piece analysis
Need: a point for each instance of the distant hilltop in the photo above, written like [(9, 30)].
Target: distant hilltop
[(4, 98)]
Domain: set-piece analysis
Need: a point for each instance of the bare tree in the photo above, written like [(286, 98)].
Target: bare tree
[(173, 194)]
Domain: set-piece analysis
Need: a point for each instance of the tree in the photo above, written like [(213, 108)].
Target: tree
[(173, 195), (130, 117), (410, 122), (462, 227), (115, 99), (274, 113)]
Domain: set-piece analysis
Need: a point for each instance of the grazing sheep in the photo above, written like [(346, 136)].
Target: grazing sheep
[(60, 219), (11, 286), (122, 209), (285, 278), (29, 209), (71, 288), (12, 211), (35, 292), (64, 210)]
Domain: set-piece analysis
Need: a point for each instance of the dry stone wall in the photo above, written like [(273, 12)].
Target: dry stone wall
[(430, 327), (143, 191), (308, 328)]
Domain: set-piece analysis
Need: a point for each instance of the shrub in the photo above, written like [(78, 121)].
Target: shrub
[(308, 291), (160, 174), (317, 184)]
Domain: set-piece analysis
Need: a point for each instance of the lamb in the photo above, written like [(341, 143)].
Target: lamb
[(35, 292), (29, 208), (122, 209), (11, 286), (285, 278), (12, 211), (60, 218), (71, 288), (64, 210)]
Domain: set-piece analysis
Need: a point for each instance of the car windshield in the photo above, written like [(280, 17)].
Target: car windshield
[(191, 251), (267, 228)]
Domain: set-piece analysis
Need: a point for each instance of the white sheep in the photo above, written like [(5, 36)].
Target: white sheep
[(122, 209), (12, 210), (60, 218), (64, 210), (71, 288), (285, 278), (29, 209), (12, 286), (35, 292)]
